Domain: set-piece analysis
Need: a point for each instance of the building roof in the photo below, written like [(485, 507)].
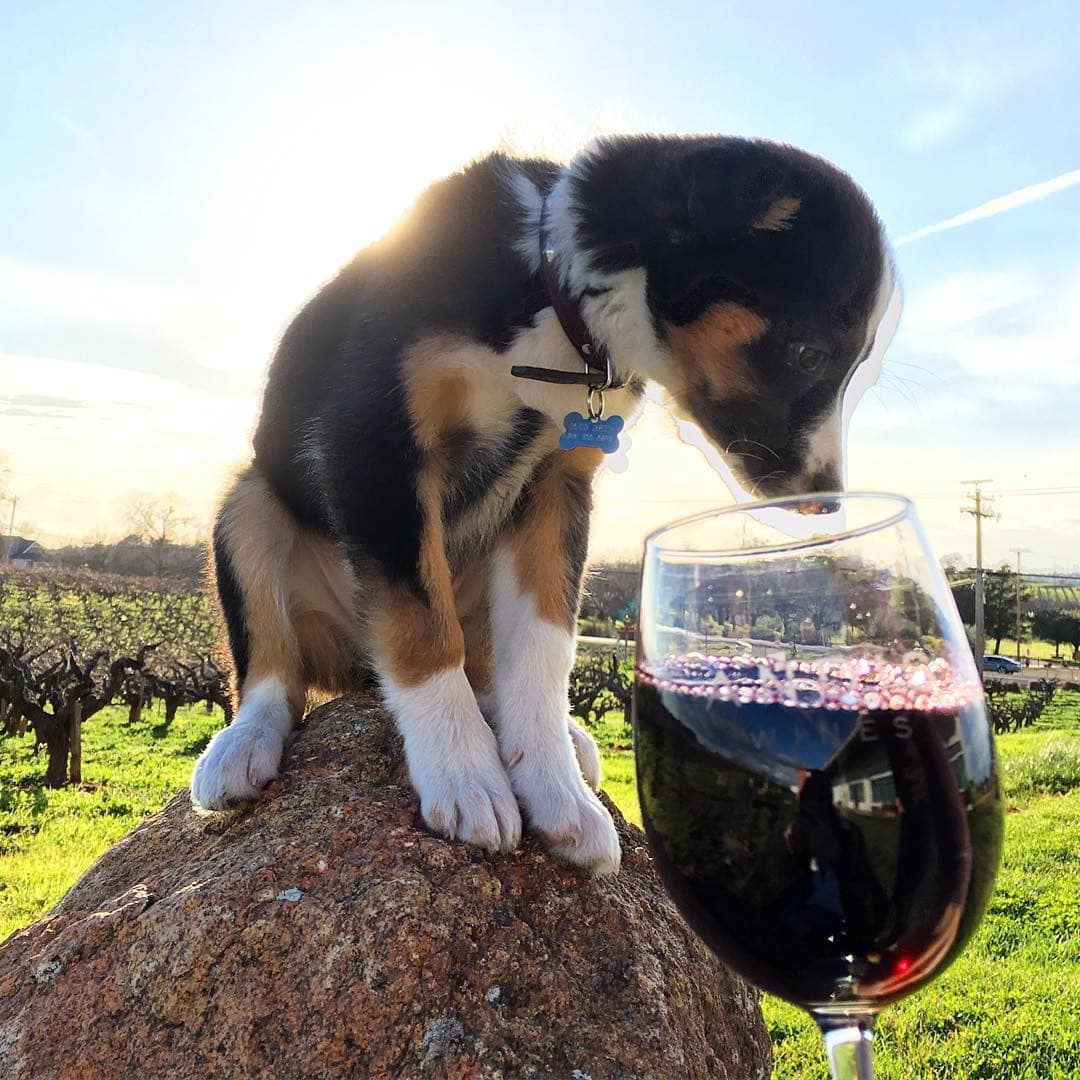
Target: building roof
[(18, 547)]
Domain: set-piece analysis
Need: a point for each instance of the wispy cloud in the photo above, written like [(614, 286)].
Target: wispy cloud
[(995, 324), (1031, 193), (957, 79), (92, 297)]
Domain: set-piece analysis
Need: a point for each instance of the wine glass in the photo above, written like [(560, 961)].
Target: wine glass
[(814, 762)]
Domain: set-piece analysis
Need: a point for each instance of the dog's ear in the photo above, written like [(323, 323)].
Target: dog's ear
[(737, 188)]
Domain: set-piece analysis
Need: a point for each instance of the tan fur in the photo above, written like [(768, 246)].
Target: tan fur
[(780, 216), (327, 655), (415, 640), (452, 381), (708, 349), (300, 598), (541, 563), (409, 641), (438, 399), (471, 595), (260, 536)]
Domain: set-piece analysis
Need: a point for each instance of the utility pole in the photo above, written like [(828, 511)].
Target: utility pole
[(1019, 552), (978, 512)]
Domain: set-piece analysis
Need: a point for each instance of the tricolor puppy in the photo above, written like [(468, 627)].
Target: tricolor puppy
[(410, 511)]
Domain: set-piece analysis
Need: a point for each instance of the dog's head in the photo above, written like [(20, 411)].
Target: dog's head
[(767, 274)]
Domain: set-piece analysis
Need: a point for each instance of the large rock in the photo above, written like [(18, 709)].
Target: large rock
[(324, 933)]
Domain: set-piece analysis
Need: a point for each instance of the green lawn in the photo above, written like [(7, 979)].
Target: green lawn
[(1037, 650), (49, 837), (1008, 1009)]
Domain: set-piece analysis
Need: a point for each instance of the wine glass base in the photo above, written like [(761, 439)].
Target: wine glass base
[(850, 1052)]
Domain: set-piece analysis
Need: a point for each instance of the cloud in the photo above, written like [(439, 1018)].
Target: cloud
[(92, 297), (999, 323), (111, 320), (100, 391), (957, 91), (40, 401), (1021, 197), (936, 125), (959, 80)]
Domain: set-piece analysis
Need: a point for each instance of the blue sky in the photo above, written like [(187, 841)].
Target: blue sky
[(178, 178)]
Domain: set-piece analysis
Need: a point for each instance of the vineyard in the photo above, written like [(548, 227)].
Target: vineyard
[(1056, 595), (73, 642)]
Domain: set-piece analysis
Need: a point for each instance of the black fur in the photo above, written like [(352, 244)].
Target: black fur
[(232, 604), (334, 439), (814, 281), (475, 467), (336, 381)]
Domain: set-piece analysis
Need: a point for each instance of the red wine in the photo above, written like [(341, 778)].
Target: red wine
[(831, 830)]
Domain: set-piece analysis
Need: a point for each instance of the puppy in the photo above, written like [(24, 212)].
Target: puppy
[(410, 511)]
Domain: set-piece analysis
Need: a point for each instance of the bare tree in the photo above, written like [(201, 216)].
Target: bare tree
[(160, 522)]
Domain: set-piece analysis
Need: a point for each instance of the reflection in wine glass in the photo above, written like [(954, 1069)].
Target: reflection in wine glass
[(817, 785)]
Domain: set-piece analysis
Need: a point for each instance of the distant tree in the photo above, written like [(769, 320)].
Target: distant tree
[(1053, 626), (999, 604), (611, 591), (159, 522), (598, 684), (961, 581)]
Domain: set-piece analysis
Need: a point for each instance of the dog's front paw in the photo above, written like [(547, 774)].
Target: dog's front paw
[(470, 801), (587, 752), (571, 820), (237, 764)]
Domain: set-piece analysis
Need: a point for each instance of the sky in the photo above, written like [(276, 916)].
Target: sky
[(177, 179)]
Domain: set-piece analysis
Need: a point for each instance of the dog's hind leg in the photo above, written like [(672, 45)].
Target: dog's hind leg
[(254, 540)]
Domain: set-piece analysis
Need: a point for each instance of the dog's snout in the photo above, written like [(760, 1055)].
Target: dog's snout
[(813, 504)]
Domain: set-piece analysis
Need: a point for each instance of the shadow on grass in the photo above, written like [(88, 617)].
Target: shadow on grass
[(194, 748)]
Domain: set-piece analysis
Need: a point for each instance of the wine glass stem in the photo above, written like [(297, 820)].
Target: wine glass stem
[(849, 1050)]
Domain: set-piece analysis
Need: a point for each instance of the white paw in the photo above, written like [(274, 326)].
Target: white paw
[(588, 755), (239, 762), (454, 763), (470, 801), (569, 817)]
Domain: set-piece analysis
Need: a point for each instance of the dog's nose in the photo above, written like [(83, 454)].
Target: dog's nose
[(815, 504), (818, 488)]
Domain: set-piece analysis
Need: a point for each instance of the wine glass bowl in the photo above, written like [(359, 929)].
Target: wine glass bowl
[(815, 767)]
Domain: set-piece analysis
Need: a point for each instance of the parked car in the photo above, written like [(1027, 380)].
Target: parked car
[(1000, 663)]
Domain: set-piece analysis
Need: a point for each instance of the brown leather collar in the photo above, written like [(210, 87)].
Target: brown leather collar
[(598, 373)]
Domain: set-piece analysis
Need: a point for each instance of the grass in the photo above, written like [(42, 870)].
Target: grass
[(49, 837), (1035, 650), (1006, 1010)]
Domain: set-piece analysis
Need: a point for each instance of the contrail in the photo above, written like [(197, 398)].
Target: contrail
[(1025, 195)]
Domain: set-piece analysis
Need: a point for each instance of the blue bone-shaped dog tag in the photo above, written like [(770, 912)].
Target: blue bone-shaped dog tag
[(578, 430)]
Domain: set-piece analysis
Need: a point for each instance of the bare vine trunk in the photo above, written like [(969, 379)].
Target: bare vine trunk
[(75, 742), (57, 739)]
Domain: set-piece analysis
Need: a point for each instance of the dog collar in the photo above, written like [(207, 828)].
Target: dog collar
[(598, 374)]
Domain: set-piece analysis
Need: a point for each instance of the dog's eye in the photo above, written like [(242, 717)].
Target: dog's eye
[(807, 360)]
